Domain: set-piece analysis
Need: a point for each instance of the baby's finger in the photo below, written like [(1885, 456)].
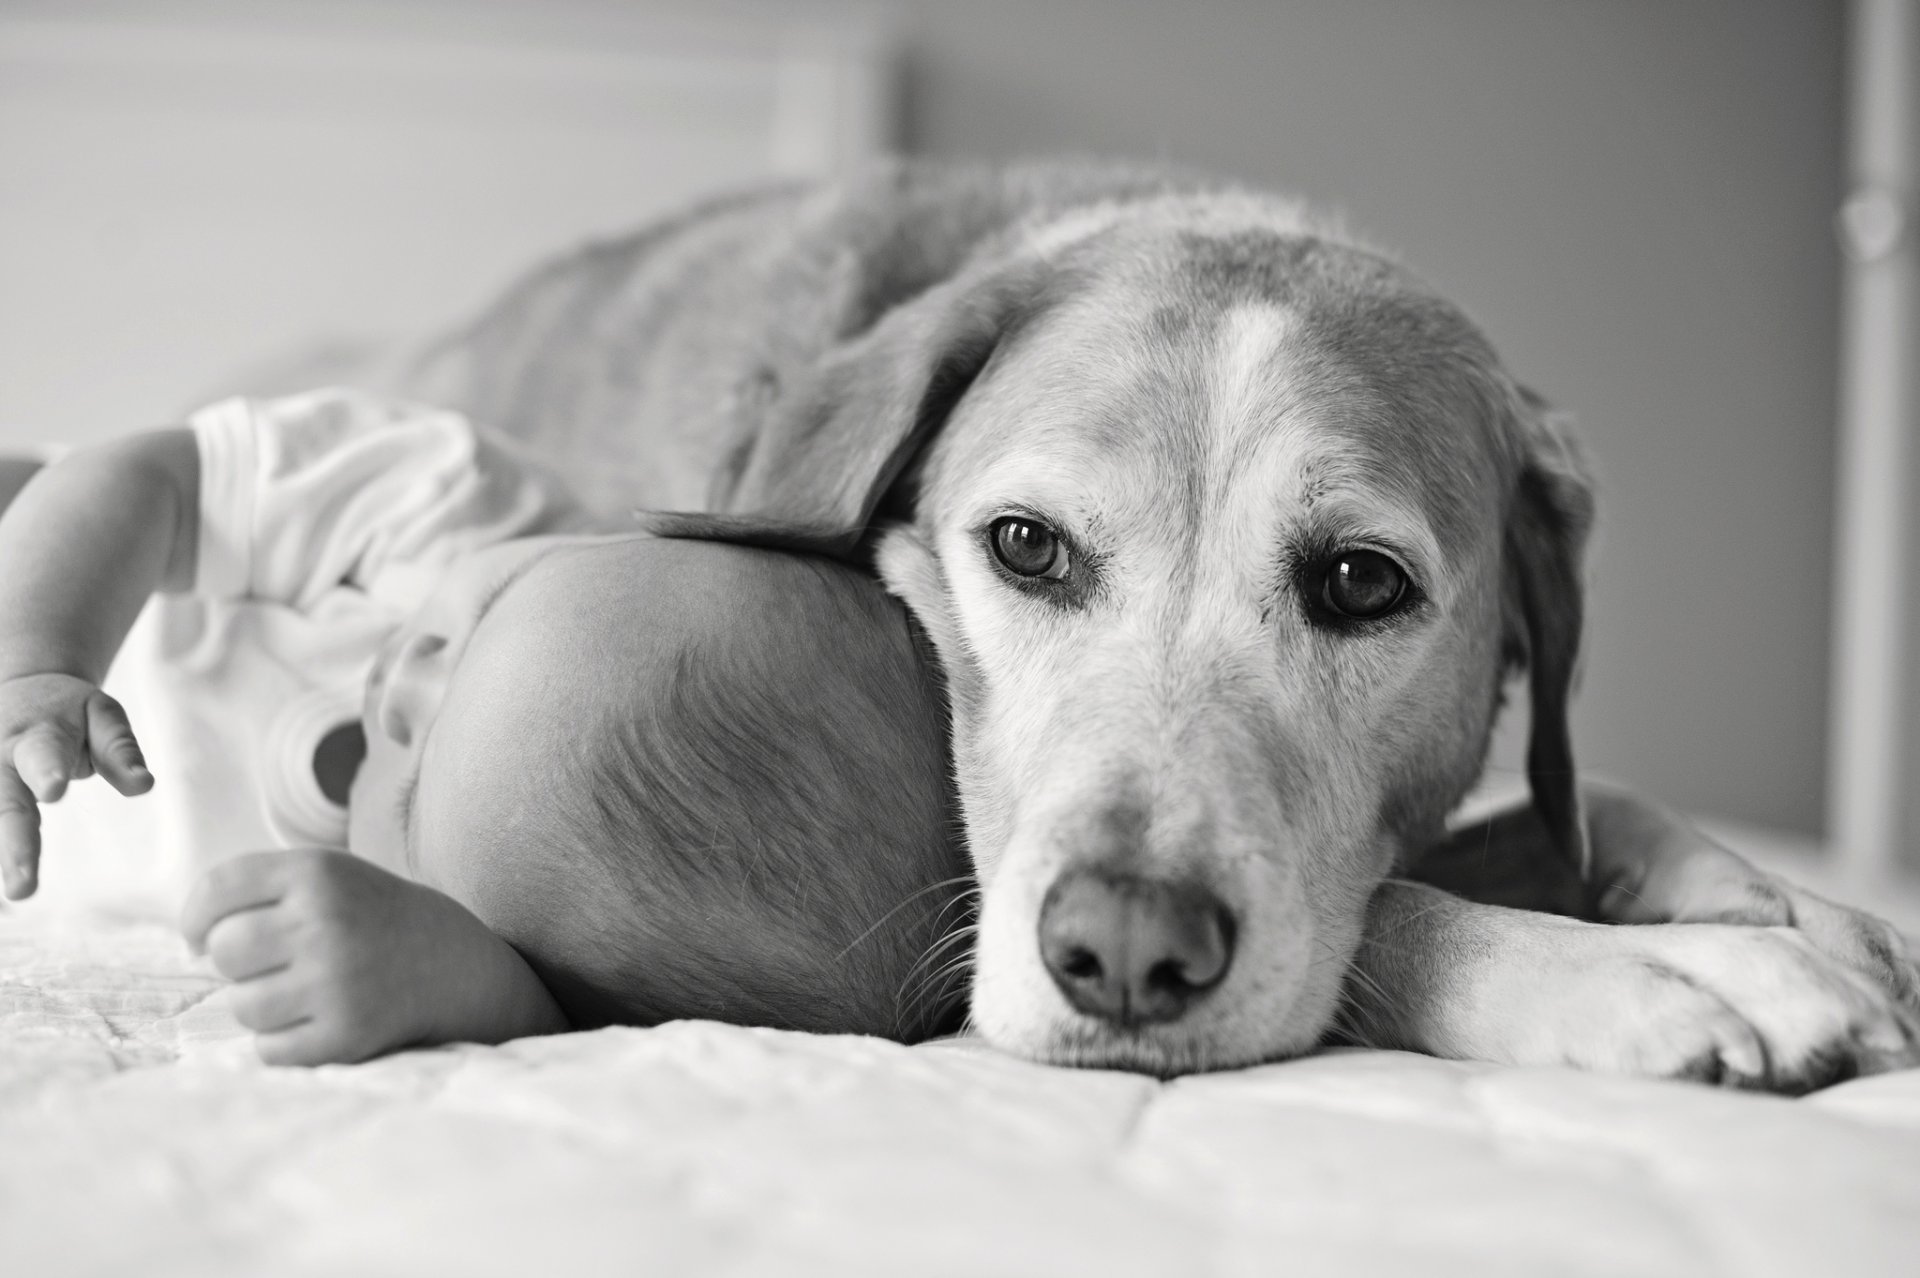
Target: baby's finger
[(47, 757), (116, 753), (248, 944), (246, 882), (19, 837)]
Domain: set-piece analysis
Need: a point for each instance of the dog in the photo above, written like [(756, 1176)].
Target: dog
[(1226, 532)]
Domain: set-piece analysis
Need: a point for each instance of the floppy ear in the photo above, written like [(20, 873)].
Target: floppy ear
[(832, 446), (1549, 516), (744, 530)]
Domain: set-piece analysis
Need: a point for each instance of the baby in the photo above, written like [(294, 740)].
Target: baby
[(521, 773)]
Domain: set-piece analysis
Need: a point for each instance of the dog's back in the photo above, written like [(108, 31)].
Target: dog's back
[(645, 365)]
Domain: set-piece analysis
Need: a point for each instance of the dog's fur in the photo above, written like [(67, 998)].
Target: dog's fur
[(1209, 391)]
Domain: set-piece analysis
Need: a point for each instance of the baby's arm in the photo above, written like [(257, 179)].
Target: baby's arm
[(335, 960), (81, 548)]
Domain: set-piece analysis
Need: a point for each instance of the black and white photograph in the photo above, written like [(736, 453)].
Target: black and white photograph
[(959, 637)]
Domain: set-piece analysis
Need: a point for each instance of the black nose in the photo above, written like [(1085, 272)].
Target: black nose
[(1133, 951)]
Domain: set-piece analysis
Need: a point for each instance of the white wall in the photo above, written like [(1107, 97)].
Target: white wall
[(189, 186)]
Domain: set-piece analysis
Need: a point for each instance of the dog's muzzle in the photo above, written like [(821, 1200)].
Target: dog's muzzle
[(1133, 951)]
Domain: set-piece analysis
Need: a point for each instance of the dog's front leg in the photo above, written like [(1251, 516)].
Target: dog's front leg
[(1745, 1006)]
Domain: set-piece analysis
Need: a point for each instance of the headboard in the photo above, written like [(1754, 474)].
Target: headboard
[(190, 186)]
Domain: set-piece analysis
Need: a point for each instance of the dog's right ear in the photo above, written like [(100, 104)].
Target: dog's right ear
[(834, 445)]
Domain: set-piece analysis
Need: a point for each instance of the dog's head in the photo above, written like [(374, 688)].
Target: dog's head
[(1226, 533)]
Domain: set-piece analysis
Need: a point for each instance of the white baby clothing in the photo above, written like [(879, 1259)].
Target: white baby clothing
[(325, 520)]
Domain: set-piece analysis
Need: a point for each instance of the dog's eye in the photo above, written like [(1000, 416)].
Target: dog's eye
[(1362, 584), (1028, 547)]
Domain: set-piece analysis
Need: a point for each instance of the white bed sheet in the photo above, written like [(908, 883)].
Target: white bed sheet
[(139, 1136)]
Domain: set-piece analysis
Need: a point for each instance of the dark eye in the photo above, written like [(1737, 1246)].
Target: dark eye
[(1028, 547), (1362, 584)]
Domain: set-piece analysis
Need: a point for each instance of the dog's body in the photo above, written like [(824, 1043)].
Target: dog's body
[(1226, 531)]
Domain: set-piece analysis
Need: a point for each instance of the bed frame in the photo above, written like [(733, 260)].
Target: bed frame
[(1873, 793)]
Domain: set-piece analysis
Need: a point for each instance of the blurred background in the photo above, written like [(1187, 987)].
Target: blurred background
[(1636, 200)]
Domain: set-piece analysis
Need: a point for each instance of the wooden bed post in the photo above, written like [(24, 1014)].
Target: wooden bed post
[(1873, 791)]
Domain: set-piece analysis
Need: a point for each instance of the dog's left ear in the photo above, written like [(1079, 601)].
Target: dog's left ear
[(833, 445), (743, 530), (1549, 515)]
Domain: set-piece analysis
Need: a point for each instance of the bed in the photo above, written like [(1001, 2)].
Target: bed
[(139, 1135)]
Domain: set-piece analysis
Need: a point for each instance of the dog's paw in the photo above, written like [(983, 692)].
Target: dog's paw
[(1760, 1007), (1718, 887), (1862, 942)]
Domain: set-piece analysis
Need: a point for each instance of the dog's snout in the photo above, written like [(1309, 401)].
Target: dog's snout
[(1130, 950)]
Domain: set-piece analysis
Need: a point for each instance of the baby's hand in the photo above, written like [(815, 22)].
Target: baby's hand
[(335, 960), (55, 728)]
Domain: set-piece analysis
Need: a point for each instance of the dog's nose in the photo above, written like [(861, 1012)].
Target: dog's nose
[(1130, 950)]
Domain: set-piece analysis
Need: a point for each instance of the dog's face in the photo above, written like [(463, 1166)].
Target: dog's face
[(1217, 550)]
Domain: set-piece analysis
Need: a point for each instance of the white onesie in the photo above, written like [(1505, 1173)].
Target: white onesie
[(326, 519)]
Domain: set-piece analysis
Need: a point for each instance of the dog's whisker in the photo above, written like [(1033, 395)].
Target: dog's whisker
[(968, 900), (938, 968), (909, 899), (951, 936), (946, 979), (929, 987), (939, 952), (933, 1005), (1348, 1019), (962, 928), (929, 1004)]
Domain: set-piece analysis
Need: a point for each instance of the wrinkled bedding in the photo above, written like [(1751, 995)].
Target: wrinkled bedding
[(138, 1135)]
